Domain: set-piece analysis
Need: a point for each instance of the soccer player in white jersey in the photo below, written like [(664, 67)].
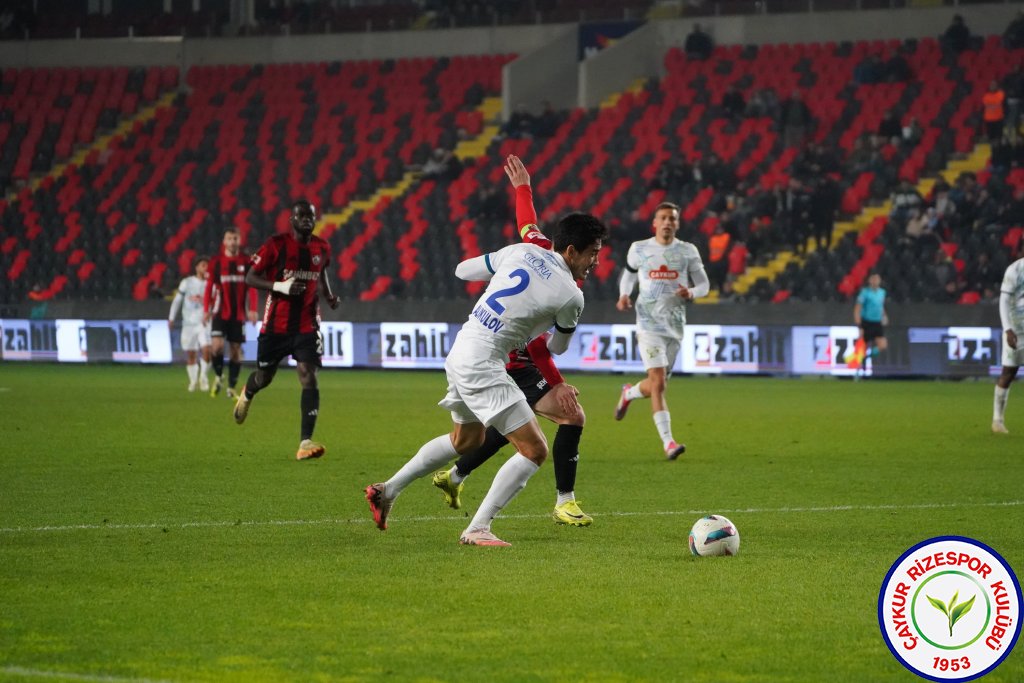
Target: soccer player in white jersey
[(530, 290), (195, 333), (670, 273), (1011, 315)]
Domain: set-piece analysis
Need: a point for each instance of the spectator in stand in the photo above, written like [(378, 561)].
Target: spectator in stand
[(869, 71), (957, 37), (796, 212), (1013, 38), (1013, 86), (711, 172), (545, 125), (699, 44), (912, 133), (890, 128), (718, 250), (488, 203), (673, 175), (442, 166), (1002, 155), (994, 112), (824, 208), (944, 276), (519, 125), (733, 103), (795, 120), (763, 102), (982, 274), (905, 198), (897, 70)]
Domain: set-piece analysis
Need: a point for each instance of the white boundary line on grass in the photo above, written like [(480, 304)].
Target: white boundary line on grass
[(68, 676), (449, 518)]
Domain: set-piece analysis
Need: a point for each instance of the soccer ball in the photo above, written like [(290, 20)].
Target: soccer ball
[(714, 535)]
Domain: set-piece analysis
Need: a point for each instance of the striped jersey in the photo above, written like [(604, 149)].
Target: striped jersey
[(283, 257), (227, 277)]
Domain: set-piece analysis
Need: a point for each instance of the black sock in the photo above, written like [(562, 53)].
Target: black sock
[(493, 442), (251, 387), (234, 370), (218, 366), (566, 454), (310, 408)]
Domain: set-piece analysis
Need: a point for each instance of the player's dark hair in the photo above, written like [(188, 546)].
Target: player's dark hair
[(579, 230), (666, 205), (302, 202), (232, 229), (199, 259)]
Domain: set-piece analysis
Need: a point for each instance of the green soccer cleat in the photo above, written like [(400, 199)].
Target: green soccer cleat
[(570, 513), (241, 408), (451, 491), (215, 389)]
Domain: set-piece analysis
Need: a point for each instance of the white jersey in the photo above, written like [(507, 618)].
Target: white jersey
[(1012, 315), (189, 298), (531, 289), (661, 270)]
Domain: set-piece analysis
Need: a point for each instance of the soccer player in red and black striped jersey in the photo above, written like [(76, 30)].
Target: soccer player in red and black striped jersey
[(228, 302), (546, 391), (293, 268)]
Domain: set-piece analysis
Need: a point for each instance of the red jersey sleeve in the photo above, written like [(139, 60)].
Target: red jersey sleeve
[(541, 357), (264, 256), (526, 218)]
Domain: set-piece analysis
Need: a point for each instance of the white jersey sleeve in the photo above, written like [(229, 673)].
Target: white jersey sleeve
[(1011, 298)]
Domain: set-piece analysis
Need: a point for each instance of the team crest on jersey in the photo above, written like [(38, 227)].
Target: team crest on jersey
[(241, 268), (663, 273), (316, 259)]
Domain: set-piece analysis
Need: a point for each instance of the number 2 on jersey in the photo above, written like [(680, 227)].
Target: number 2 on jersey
[(524, 282)]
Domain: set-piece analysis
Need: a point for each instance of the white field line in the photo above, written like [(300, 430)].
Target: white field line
[(460, 518), (68, 676)]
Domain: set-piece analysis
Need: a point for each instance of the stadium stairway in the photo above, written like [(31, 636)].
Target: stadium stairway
[(95, 147), (866, 226), (372, 207)]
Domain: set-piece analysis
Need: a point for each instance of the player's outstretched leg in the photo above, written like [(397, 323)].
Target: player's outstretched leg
[(451, 481), (256, 382), (218, 372), (430, 456), (309, 405)]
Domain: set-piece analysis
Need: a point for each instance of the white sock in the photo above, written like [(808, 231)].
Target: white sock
[(193, 372), (999, 403), (510, 480), (663, 422), (633, 393), (455, 476), (432, 454), (204, 368), (565, 497)]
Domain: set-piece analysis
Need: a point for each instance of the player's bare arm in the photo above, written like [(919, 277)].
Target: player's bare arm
[(289, 287), (326, 292)]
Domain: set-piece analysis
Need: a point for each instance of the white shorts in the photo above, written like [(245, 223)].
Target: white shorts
[(658, 351), (194, 337), (1013, 358), (483, 392)]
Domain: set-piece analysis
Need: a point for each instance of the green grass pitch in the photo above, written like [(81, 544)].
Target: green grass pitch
[(145, 536)]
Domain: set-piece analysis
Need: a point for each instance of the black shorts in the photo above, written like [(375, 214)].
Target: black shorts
[(271, 349), (871, 330), (531, 382), (232, 330)]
